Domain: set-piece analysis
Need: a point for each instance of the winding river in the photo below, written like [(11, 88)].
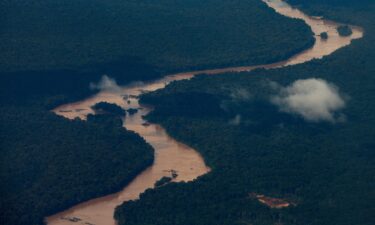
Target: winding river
[(170, 154)]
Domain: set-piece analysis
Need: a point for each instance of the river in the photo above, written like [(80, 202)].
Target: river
[(169, 153)]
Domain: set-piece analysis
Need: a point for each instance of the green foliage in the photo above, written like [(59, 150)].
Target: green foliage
[(344, 30), (132, 111), (163, 181), (203, 104), (49, 163), (108, 108), (328, 169), (324, 35), (52, 50), (166, 34)]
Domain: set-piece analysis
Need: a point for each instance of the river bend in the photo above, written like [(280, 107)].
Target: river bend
[(169, 153)]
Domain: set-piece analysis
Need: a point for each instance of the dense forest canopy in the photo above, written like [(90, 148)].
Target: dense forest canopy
[(167, 34), (108, 108), (52, 51), (257, 141), (49, 163)]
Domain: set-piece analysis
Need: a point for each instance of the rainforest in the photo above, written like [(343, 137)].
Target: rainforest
[(187, 112)]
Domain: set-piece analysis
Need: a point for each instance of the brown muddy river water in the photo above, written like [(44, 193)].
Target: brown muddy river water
[(170, 154)]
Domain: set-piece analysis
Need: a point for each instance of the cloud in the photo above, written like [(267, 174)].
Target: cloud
[(313, 99), (106, 84), (236, 120), (240, 94), (237, 97)]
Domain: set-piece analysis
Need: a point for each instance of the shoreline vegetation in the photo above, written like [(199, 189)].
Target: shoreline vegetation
[(116, 33), (344, 30), (108, 108), (50, 155), (324, 35), (27, 95), (325, 167)]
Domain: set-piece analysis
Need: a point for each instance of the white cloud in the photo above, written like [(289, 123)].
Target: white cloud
[(106, 84), (313, 99)]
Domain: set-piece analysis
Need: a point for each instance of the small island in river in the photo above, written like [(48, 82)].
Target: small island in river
[(324, 35), (108, 108), (344, 30)]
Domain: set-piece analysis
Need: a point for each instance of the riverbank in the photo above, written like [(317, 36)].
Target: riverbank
[(254, 146), (90, 210)]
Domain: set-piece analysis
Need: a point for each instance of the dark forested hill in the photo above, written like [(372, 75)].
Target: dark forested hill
[(304, 134)]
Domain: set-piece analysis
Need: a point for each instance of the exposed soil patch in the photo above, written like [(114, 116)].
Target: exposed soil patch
[(275, 203)]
